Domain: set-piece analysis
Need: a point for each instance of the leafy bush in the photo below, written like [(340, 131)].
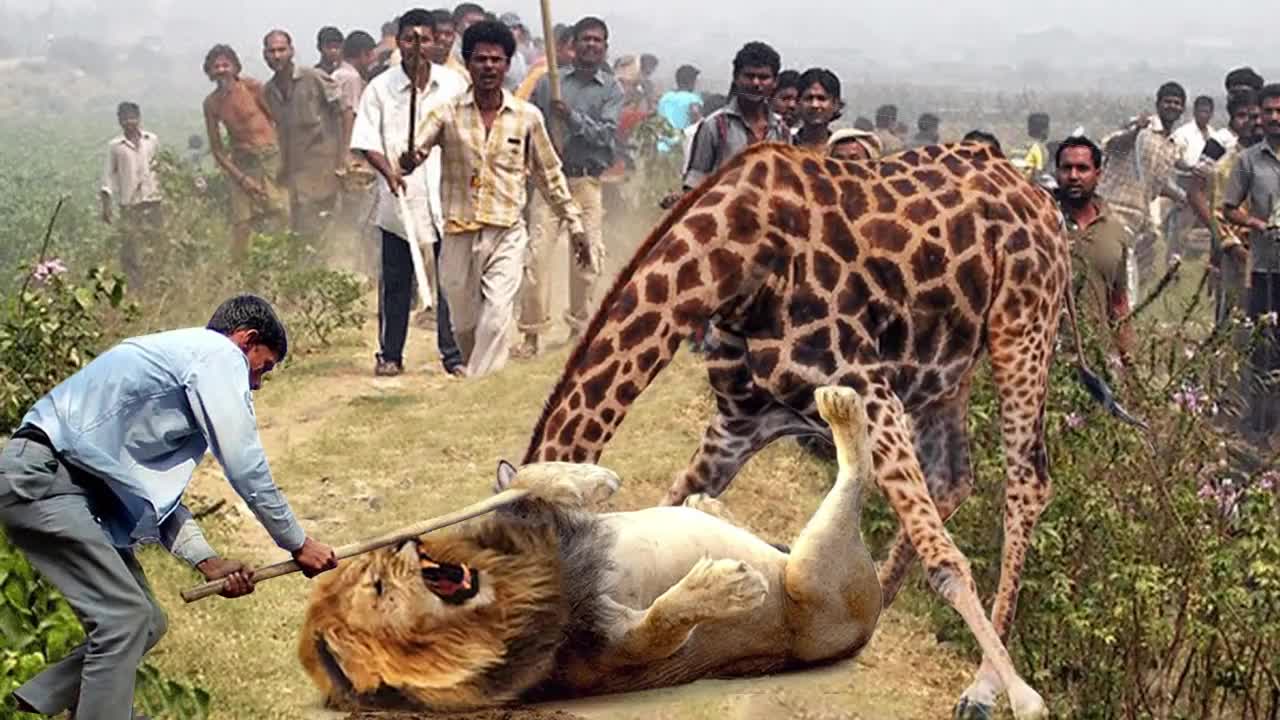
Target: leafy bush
[(320, 301), (51, 328), (1152, 589)]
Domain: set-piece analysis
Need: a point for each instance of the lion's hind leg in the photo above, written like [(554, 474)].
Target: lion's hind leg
[(833, 595), (712, 590)]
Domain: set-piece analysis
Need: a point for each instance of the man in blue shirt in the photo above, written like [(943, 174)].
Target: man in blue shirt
[(100, 464)]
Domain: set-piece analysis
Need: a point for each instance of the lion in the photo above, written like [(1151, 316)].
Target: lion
[(546, 599)]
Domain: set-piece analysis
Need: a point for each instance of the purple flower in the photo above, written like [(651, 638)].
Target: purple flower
[(1268, 480), (1193, 400), (47, 269), (1074, 421)]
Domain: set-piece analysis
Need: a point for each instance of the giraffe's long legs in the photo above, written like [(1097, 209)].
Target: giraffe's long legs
[(1022, 384), (899, 476), (942, 447)]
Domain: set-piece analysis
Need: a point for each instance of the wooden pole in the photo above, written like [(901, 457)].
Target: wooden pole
[(267, 572), (411, 230), (549, 40)]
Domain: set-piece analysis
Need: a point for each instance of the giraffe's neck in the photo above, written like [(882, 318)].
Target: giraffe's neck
[(680, 277)]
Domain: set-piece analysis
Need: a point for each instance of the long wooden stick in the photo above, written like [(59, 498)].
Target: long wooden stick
[(550, 48), (267, 572)]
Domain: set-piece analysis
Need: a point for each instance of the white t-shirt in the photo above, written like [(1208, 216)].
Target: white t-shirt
[(382, 125)]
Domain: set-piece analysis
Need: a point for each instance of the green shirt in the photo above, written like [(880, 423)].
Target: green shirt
[(1101, 252)]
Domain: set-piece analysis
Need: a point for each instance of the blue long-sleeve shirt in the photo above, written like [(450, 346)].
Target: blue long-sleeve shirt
[(141, 416), (595, 104)]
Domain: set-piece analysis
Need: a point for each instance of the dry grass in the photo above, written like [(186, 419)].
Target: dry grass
[(358, 455)]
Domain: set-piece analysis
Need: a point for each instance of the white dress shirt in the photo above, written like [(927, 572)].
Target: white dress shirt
[(130, 175)]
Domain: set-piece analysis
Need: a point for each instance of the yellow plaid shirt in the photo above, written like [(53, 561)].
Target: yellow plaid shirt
[(483, 182), (1135, 176)]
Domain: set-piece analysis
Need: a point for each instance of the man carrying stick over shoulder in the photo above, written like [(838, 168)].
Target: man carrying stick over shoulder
[(101, 463), (491, 140)]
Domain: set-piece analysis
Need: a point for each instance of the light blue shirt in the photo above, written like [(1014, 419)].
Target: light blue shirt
[(676, 105), (142, 415)]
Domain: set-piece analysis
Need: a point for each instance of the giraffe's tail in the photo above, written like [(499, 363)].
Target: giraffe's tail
[(1095, 385)]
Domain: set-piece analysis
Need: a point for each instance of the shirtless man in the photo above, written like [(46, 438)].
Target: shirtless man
[(253, 162)]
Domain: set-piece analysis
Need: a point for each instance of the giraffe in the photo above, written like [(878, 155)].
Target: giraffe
[(891, 277)]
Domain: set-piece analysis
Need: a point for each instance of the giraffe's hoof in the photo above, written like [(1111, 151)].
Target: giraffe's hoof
[(968, 709)]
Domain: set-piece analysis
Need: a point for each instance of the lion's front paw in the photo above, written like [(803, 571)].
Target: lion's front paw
[(722, 588)]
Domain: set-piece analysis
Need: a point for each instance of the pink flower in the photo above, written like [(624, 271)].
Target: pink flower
[(1268, 480), (1193, 400), (47, 269), (1074, 421)]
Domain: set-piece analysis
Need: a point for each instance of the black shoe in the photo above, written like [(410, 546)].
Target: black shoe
[(388, 368)]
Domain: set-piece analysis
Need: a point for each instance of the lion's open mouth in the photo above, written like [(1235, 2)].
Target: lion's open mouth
[(454, 584)]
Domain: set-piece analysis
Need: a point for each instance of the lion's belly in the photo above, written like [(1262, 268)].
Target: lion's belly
[(656, 547)]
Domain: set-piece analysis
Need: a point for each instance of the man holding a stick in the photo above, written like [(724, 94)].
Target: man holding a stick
[(491, 141), (101, 463), (383, 129)]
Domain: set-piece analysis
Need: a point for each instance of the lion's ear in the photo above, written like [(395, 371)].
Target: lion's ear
[(506, 473)]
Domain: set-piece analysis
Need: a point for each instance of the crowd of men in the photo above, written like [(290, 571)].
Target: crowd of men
[(501, 172)]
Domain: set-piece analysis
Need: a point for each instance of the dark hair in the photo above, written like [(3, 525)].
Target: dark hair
[(886, 116), (488, 31), (358, 43), (928, 122), (466, 9), (686, 76), (128, 108), (391, 27), (757, 54), (1244, 76), (823, 77), (787, 79), (1204, 101), (1171, 89), (218, 51), (443, 17), (981, 136), (1079, 141), (267, 38), (416, 17), (863, 123), (1268, 92), (1241, 99), (327, 35), (649, 59), (1038, 124), (590, 22), (250, 312)]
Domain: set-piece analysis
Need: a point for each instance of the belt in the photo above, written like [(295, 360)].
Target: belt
[(580, 172)]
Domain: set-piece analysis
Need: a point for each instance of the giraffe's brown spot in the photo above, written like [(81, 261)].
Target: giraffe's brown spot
[(890, 168), (936, 300), (933, 151), (847, 340), (786, 179), (974, 282), (984, 186), (759, 175), (931, 179), (626, 303), (921, 211), (556, 421), (858, 170), (928, 336), (689, 276), (599, 351), (885, 201), (702, 226), (657, 288), (724, 264), (854, 296), (805, 307), (569, 431), (788, 217), (824, 191), (892, 341), (627, 393), (639, 330), (837, 236), (1021, 270), (962, 232), (814, 350), (593, 432), (675, 250), (580, 455), (930, 383), (962, 339), (689, 313), (648, 359), (833, 167), (596, 388), (743, 224), (575, 401), (607, 415), (910, 158), (929, 261), (826, 270), (887, 234), (956, 166), (853, 200), (886, 273), (903, 382), (763, 362), (950, 199), (904, 187)]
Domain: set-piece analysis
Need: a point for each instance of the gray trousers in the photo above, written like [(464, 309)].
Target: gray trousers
[(51, 519)]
